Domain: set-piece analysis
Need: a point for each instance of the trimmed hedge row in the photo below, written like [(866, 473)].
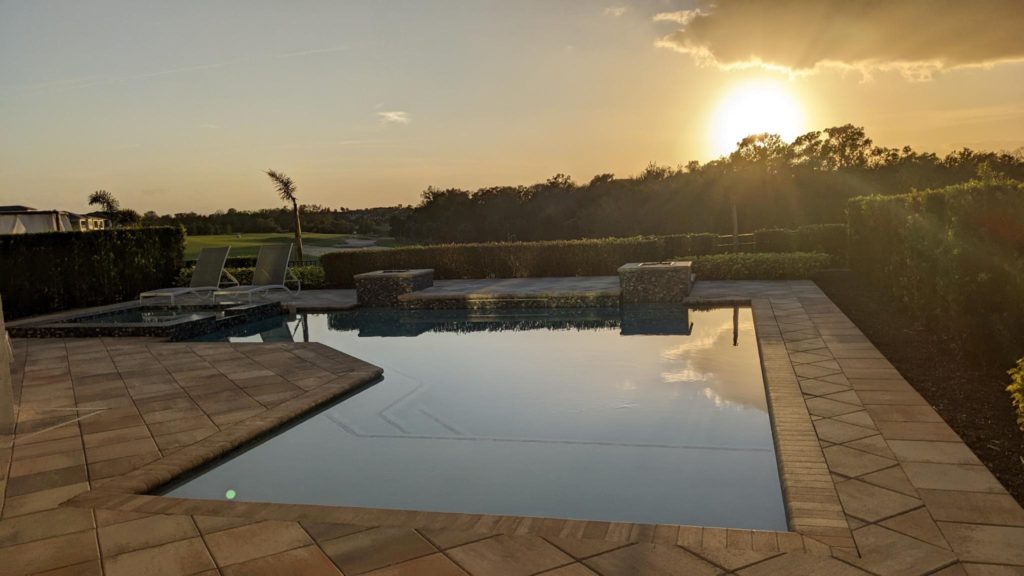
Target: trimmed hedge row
[(760, 266), (953, 257), (592, 257), (742, 266), (563, 258), (497, 260), (53, 271), (311, 276), (828, 238), (787, 266)]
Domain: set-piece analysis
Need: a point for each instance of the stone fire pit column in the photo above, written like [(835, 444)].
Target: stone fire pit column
[(383, 287), (655, 281)]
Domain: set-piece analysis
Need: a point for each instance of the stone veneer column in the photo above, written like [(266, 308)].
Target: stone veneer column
[(648, 282), (383, 287), (6, 385)]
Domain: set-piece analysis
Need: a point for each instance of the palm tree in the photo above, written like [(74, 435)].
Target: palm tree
[(104, 200), (286, 189)]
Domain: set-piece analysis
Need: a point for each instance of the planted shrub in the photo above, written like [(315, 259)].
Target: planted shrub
[(679, 244), (828, 238), (250, 261), (775, 240), (55, 271), (591, 257), (702, 244), (499, 259), (1016, 390), (562, 258), (312, 277), (238, 262), (953, 258), (767, 266)]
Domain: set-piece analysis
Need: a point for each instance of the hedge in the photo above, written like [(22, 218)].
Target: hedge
[(593, 257), (953, 258), (55, 271), (250, 262), (760, 266), (827, 238), (788, 266), (311, 276), (497, 260)]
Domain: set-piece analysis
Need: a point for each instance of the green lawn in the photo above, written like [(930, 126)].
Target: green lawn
[(249, 244)]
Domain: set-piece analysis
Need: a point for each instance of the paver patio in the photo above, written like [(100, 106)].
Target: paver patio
[(875, 482)]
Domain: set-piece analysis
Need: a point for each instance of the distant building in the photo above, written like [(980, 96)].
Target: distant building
[(28, 220), (87, 222)]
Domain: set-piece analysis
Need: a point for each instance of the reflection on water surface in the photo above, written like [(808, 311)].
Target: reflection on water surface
[(649, 414)]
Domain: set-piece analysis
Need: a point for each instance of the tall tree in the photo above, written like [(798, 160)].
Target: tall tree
[(105, 200), (286, 190), (757, 158)]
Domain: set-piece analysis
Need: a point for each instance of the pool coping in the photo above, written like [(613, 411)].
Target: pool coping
[(814, 513)]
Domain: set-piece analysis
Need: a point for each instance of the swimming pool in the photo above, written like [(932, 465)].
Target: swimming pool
[(650, 415)]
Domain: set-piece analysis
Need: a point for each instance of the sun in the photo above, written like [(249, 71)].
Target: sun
[(754, 107)]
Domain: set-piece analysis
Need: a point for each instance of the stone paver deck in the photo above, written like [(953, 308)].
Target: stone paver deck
[(875, 482)]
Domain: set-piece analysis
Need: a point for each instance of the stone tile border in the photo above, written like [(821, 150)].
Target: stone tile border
[(156, 474), (914, 496), (812, 504)]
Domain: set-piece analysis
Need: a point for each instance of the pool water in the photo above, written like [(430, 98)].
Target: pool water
[(643, 415)]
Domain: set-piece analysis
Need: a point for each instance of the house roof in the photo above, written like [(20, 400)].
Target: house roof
[(16, 208), (91, 215)]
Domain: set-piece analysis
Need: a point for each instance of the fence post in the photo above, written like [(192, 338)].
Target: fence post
[(735, 228), (6, 383)]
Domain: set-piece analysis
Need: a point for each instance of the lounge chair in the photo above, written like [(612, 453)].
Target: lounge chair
[(271, 273), (206, 277)]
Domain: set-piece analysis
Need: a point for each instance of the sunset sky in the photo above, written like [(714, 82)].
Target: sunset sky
[(180, 105)]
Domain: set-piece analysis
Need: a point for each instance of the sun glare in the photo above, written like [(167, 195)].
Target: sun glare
[(753, 108)]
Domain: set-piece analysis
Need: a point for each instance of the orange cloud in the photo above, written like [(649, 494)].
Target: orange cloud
[(914, 37)]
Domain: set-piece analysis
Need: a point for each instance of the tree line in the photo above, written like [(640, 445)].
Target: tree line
[(315, 218), (770, 182), (765, 183)]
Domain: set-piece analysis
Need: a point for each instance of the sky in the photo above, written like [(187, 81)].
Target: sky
[(181, 105)]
